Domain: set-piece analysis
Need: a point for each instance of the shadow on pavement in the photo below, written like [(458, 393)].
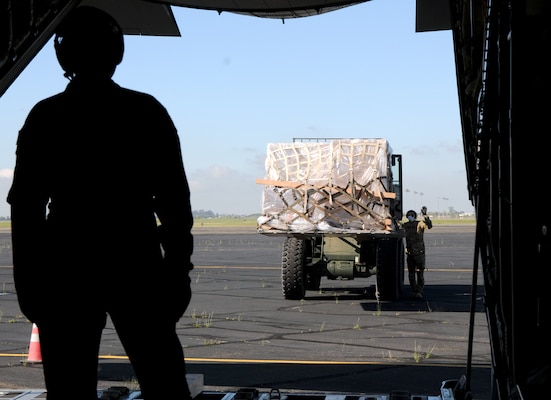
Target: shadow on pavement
[(351, 378), (441, 298)]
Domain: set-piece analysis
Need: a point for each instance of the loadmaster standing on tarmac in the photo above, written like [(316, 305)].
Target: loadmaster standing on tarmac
[(96, 166), (415, 250)]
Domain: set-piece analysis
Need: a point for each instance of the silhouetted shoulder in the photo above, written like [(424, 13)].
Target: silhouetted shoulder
[(135, 97), (38, 117)]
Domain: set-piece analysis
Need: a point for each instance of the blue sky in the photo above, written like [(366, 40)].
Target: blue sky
[(235, 83)]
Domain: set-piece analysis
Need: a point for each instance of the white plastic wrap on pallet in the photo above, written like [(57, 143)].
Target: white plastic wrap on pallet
[(349, 171)]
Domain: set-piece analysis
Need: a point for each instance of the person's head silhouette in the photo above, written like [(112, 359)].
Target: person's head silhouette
[(89, 42)]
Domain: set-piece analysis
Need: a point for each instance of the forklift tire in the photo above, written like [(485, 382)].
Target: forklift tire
[(390, 269), (293, 278), (313, 275), (313, 281)]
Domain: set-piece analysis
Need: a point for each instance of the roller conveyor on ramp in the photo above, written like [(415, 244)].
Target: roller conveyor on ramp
[(448, 391)]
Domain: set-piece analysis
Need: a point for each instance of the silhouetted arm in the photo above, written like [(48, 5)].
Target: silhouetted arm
[(28, 199), (172, 199)]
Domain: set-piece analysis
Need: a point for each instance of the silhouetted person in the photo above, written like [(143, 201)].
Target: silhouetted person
[(415, 250), (97, 166)]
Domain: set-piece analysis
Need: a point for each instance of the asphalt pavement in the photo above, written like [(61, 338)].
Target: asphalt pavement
[(239, 331)]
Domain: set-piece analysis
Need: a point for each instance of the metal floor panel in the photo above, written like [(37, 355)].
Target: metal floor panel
[(109, 394), (196, 386)]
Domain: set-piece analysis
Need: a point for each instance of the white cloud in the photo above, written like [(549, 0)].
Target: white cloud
[(6, 173), (225, 190), (5, 184)]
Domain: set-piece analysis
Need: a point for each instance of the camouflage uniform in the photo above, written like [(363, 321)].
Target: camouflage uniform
[(415, 253)]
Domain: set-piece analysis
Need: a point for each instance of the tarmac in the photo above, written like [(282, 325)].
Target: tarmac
[(239, 331)]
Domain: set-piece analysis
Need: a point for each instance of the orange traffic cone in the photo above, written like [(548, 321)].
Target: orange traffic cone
[(35, 355)]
